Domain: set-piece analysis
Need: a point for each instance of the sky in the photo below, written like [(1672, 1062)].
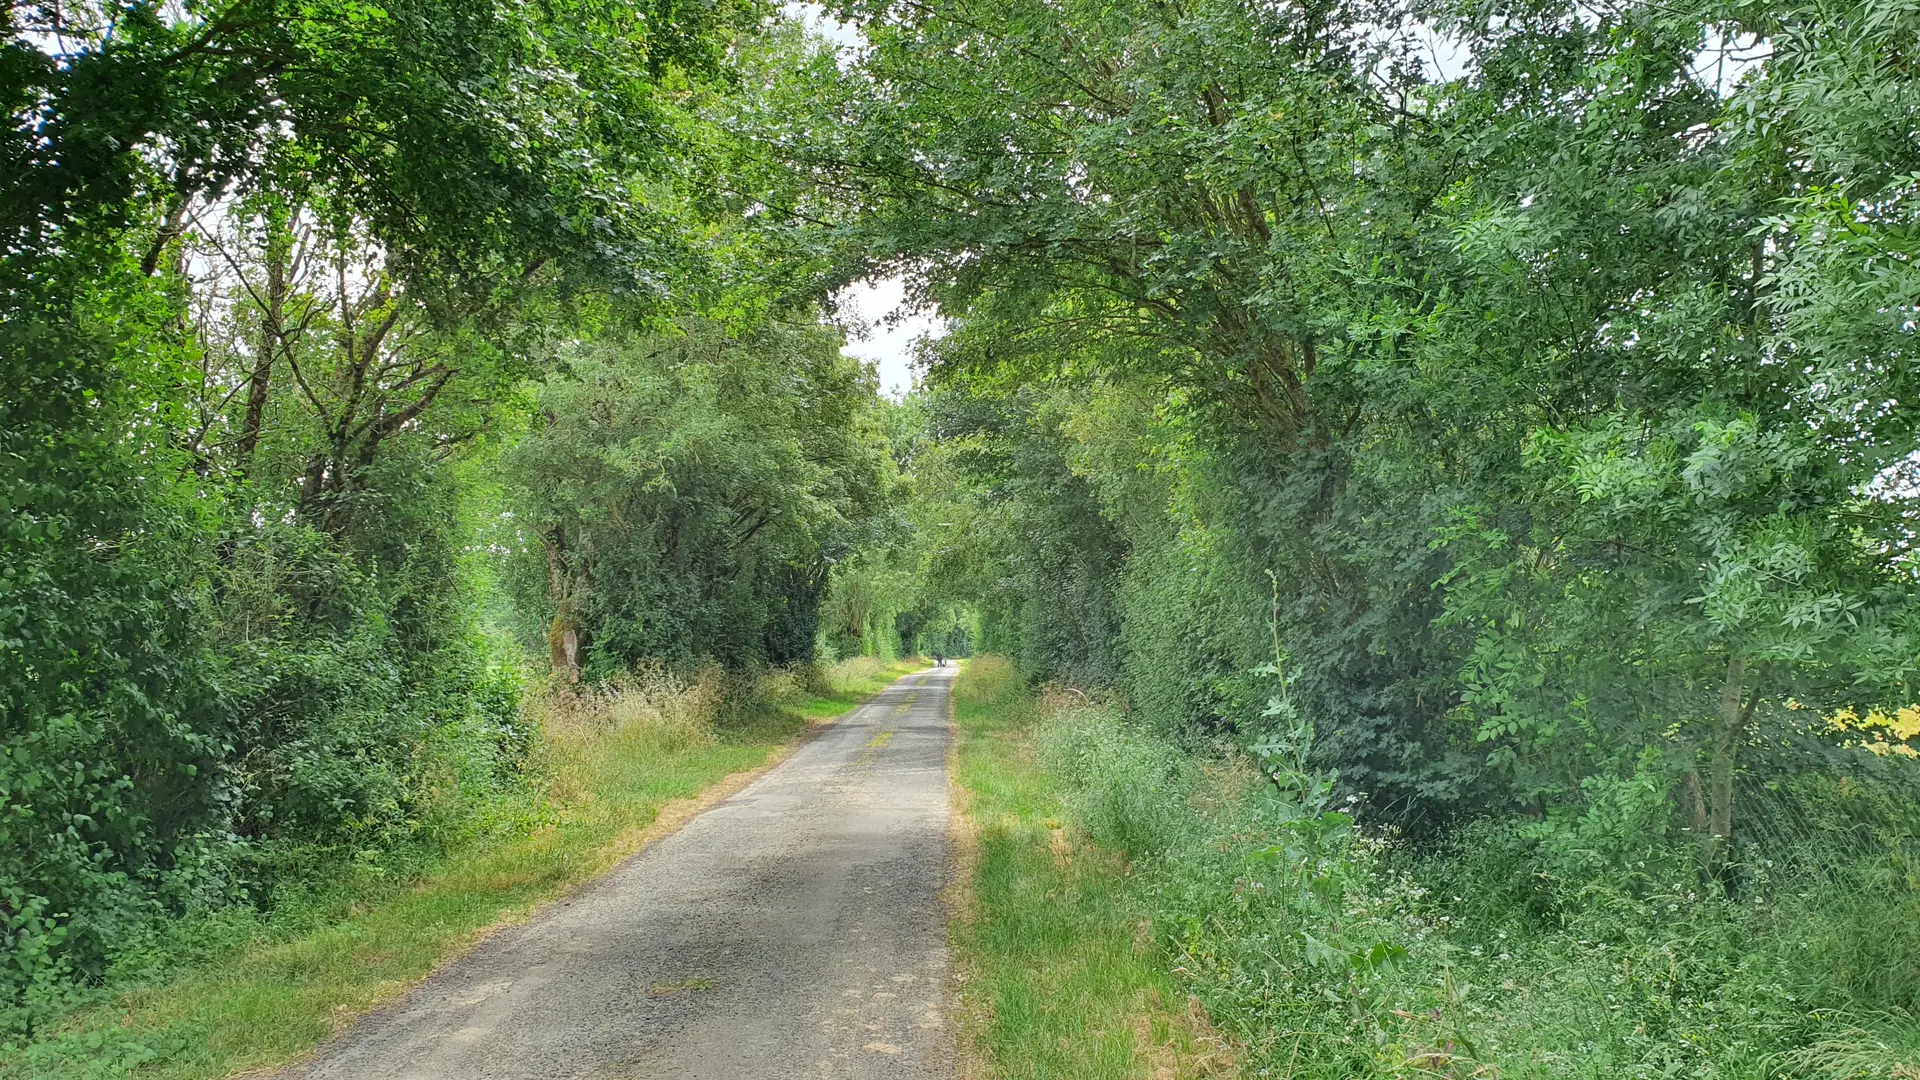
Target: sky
[(845, 35), (889, 330)]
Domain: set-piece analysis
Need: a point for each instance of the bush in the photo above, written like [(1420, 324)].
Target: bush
[(987, 681), (1508, 948), (786, 687)]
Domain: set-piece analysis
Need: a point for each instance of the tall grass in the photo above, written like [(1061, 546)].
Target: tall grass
[(1060, 977), (1126, 789), (988, 682), (858, 671), (639, 715), (1491, 954)]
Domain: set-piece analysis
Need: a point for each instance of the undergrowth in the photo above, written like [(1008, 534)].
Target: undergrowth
[(1060, 977), (1495, 951)]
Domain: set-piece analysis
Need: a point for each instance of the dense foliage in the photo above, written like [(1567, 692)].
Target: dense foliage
[(280, 287), (1530, 392), (689, 492), (1330, 954), (1568, 393)]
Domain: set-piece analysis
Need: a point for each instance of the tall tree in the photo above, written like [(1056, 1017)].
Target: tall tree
[(687, 492), (1512, 374)]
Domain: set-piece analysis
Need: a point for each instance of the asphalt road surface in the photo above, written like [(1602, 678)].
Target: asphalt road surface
[(794, 930)]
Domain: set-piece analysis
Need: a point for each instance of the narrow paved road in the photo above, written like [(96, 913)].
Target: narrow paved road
[(794, 930)]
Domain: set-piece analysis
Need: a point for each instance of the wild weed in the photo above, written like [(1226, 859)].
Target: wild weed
[(1127, 789), (1496, 953), (988, 681), (652, 709), (855, 671)]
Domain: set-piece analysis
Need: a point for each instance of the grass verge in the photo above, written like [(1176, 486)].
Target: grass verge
[(1059, 972), (1332, 953), (619, 775), (853, 681)]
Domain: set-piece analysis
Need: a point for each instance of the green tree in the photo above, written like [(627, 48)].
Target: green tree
[(687, 492), (1567, 393), (265, 269)]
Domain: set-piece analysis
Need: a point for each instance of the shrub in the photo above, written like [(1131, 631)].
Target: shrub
[(1126, 788), (786, 687), (987, 681), (1512, 948)]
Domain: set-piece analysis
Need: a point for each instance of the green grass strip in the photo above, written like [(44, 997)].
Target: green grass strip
[(1061, 978)]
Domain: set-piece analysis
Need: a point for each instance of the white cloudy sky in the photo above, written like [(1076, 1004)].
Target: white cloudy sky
[(890, 330)]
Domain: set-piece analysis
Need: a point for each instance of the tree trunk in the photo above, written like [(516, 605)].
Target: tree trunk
[(1711, 802), (566, 641), (273, 329), (1693, 801), (170, 229)]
